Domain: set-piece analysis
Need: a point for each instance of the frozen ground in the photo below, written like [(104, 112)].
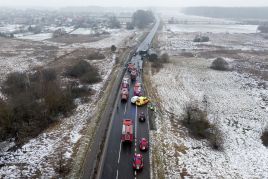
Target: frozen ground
[(9, 28), (232, 28), (237, 104), (174, 41), (36, 37), (40, 156), (117, 38), (16, 55), (84, 31), (53, 28)]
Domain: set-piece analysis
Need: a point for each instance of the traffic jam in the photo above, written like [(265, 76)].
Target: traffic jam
[(138, 99)]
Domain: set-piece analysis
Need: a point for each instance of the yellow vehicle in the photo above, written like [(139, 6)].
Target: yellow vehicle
[(142, 101)]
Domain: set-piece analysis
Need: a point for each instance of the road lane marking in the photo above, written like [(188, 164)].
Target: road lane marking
[(117, 174), (135, 173), (119, 155), (136, 125), (125, 109)]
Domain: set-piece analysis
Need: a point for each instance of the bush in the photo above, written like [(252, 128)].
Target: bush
[(157, 65), (263, 28), (215, 138), (164, 58), (84, 72), (152, 57), (220, 64), (15, 83), (201, 39), (113, 48), (5, 120), (95, 56), (264, 138), (33, 101), (79, 92), (195, 119), (59, 32), (57, 101), (129, 26)]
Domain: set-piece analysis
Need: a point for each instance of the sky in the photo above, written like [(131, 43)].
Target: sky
[(133, 3)]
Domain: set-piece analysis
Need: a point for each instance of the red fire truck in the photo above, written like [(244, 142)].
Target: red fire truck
[(127, 131)]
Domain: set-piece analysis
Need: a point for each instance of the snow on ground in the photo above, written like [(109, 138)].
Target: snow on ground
[(18, 55), (9, 28), (174, 41), (36, 37), (91, 31), (17, 64), (236, 104), (232, 28), (192, 19), (240, 114), (36, 156), (84, 31), (54, 28), (118, 39)]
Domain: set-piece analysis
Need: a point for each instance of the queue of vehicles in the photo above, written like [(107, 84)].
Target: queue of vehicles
[(127, 126)]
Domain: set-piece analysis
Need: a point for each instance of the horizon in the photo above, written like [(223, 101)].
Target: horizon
[(133, 4)]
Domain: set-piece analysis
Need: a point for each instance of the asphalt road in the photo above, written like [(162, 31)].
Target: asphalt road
[(117, 163)]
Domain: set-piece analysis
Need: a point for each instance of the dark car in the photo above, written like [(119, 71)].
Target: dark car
[(142, 117)]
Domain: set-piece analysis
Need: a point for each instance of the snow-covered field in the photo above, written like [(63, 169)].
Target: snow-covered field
[(117, 38), (9, 28), (214, 28), (36, 37), (174, 41), (40, 156), (84, 31), (236, 104), (16, 55)]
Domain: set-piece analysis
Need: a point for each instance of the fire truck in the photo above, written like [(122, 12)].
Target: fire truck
[(127, 131)]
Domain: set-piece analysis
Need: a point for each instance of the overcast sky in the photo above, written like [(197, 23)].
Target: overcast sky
[(134, 3)]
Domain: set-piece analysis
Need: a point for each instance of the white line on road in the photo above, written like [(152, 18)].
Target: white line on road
[(119, 155), (125, 109), (117, 174), (136, 125), (135, 173)]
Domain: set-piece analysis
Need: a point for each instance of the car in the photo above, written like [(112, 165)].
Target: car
[(137, 89), (127, 131), (124, 85), (133, 74), (124, 94), (134, 99), (142, 117), (142, 100), (137, 162), (144, 144)]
